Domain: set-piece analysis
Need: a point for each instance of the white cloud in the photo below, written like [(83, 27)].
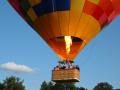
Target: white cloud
[(11, 66)]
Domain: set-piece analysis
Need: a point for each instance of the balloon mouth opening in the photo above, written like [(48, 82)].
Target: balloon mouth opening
[(73, 39), (66, 62), (70, 44)]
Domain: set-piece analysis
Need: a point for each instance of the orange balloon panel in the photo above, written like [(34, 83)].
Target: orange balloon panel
[(59, 46), (67, 25)]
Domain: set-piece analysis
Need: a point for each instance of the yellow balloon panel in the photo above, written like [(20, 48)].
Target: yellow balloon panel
[(75, 14), (94, 1), (87, 28)]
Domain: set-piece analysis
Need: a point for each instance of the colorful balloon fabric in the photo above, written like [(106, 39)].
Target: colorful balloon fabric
[(82, 20)]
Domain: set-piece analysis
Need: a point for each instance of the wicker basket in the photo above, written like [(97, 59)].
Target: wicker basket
[(66, 75)]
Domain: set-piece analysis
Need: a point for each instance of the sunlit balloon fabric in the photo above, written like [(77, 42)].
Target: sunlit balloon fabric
[(55, 19)]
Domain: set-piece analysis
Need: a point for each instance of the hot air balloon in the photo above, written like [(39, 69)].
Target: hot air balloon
[(67, 26)]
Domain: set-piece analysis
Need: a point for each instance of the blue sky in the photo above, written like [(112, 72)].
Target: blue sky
[(99, 61)]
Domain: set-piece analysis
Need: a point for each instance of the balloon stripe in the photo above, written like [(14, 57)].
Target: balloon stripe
[(46, 6), (75, 15), (94, 1), (34, 2), (32, 14), (17, 7), (88, 26), (116, 4), (64, 22), (25, 5), (53, 20), (107, 6), (95, 11), (62, 5)]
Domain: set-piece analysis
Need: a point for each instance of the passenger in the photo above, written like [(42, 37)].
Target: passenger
[(77, 67), (59, 65), (74, 66), (56, 68), (71, 66), (63, 67), (66, 67)]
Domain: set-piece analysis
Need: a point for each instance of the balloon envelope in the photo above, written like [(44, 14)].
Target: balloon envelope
[(67, 25)]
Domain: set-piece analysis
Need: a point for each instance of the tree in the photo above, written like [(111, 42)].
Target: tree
[(82, 88), (72, 86), (103, 86), (62, 86), (44, 86), (1, 86), (50, 86), (12, 83), (57, 86)]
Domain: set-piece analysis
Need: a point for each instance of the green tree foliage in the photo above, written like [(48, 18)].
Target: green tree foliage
[(12, 83), (57, 86), (70, 86), (46, 86), (82, 88), (1, 86), (103, 86), (50, 85), (62, 86)]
